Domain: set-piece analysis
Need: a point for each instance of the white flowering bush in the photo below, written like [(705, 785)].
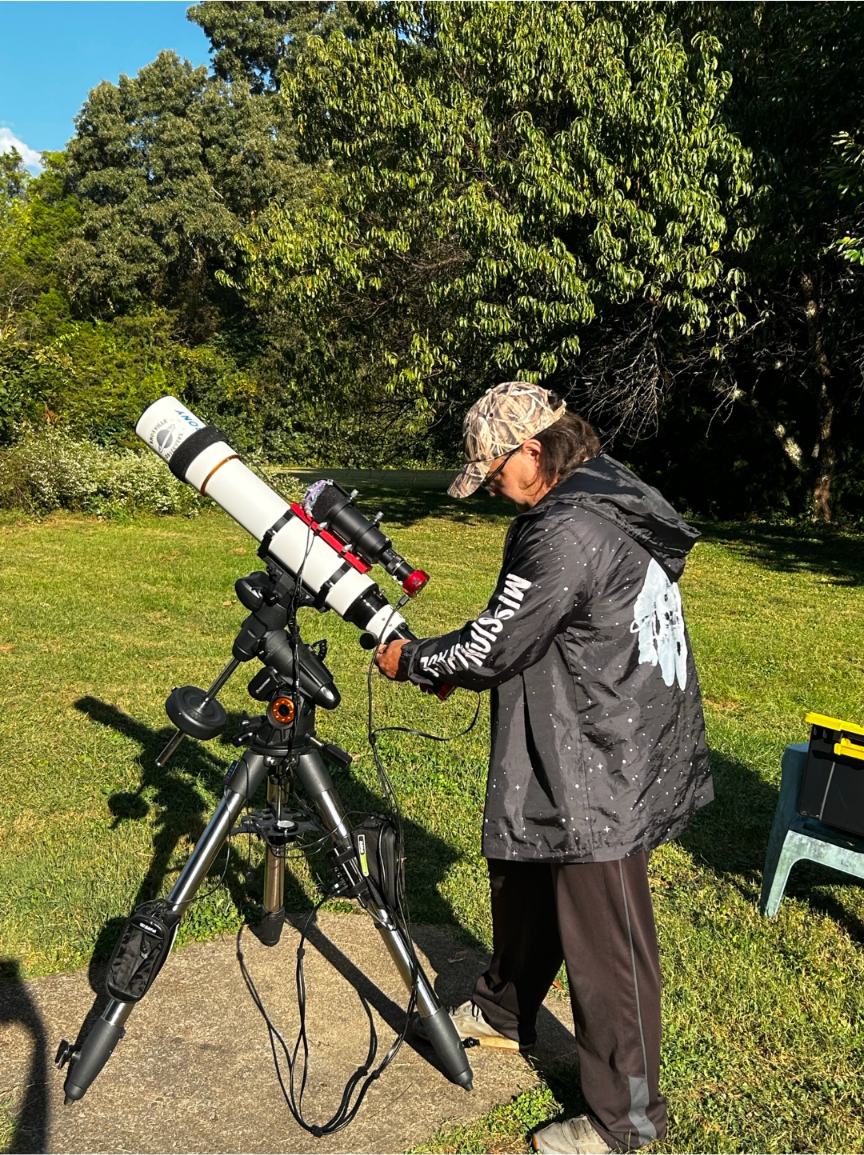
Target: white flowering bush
[(49, 469)]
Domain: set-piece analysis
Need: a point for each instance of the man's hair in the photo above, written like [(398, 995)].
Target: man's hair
[(566, 444)]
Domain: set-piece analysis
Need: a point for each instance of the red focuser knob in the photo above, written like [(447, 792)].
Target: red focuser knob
[(415, 582)]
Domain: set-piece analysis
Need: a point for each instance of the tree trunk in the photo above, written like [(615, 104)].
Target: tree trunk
[(826, 458), (824, 454), (790, 446)]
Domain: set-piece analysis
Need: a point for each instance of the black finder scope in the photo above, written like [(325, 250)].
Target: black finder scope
[(333, 509)]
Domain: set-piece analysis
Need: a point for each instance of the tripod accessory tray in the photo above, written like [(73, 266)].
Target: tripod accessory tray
[(832, 789), (142, 950)]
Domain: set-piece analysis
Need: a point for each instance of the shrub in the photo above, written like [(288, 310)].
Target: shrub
[(49, 469)]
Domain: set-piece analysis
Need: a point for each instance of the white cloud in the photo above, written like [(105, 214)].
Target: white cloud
[(8, 141)]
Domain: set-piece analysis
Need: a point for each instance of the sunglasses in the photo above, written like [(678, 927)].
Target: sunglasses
[(491, 476)]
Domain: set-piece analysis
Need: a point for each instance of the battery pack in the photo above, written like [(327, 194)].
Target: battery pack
[(375, 846), (832, 789)]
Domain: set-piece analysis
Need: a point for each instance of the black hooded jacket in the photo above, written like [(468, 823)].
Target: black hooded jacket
[(598, 736)]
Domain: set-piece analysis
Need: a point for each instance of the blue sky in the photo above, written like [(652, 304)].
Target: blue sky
[(52, 53)]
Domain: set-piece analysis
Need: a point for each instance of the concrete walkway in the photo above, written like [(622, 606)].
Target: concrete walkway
[(195, 1072)]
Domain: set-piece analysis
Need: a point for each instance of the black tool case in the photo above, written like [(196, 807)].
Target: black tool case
[(833, 786)]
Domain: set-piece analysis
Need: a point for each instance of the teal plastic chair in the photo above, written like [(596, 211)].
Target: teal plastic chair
[(794, 837)]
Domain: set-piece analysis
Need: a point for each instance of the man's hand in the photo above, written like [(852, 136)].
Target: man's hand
[(387, 660)]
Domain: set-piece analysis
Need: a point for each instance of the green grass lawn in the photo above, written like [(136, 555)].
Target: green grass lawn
[(764, 1021)]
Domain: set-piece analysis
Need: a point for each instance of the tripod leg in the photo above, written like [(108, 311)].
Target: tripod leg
[(269, 930), (88, 1059), (439, 1027), (315, 779)]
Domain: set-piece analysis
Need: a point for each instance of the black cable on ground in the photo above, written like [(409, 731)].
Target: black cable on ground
[(346, 1111)]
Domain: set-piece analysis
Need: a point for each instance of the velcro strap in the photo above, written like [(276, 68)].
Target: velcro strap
[(188, 450)]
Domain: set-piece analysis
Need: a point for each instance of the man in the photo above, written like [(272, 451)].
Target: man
[(598, 748)]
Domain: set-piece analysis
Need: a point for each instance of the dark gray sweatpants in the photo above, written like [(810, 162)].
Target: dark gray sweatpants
[(598, 918)]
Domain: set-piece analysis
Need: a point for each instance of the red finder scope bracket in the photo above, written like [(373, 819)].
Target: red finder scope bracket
[(355, 562)]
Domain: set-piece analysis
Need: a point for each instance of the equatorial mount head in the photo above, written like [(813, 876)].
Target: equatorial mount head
[(273, 587), (293, 681), (273, 598)]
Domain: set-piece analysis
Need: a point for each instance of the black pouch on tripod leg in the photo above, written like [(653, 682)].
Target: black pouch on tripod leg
[(142, 950), (375, 843)]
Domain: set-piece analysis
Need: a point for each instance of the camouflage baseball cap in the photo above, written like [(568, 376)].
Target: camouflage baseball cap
[(505, 416)]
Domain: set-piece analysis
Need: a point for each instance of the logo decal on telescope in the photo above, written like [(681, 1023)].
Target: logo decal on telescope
[(165, 436), (188, 418), (481, 634)]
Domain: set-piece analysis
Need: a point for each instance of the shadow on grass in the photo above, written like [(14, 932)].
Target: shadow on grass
[(731, 837), (173, 791), (30, 1118), (183, 813), (794, 549)]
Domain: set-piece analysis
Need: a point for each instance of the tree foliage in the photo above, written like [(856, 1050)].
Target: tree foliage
[(168, 167), (363, 214), (501, 176), (108, 260), (258, 43), (797, 103), (36, 218), (845, 177)]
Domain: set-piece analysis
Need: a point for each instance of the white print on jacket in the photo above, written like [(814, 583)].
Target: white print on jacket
[(483, 632), (659, 621)]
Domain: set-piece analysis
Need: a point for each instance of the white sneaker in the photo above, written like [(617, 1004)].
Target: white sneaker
[(570, 1137), (470, 1024)]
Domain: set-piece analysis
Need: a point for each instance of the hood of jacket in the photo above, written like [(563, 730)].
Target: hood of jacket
[(612, 491)]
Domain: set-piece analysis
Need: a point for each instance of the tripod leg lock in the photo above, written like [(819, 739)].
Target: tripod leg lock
[(142, 950)]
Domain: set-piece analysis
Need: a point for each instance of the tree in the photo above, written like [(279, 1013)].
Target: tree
[(13, 179), (258, 43), (107, 261), (501, 178), (168, 167), (14, 280), (796, 102), (36, 218)]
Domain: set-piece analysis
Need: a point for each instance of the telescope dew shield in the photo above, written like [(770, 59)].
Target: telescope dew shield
[(199, 455)]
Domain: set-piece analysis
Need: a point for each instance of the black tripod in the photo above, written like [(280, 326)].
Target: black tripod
[(282, 747)]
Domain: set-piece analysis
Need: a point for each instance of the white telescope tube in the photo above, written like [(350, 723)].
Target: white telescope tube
[(198, 454)]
